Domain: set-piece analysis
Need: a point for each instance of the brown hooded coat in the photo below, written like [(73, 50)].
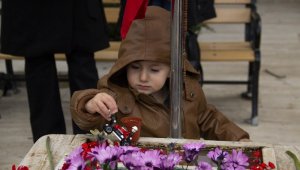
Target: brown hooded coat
[(149, 39)]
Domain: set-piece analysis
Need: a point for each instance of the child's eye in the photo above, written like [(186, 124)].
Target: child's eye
[(154, 69), (134, 66)]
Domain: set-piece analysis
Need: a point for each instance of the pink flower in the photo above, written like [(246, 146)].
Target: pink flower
[(191, 151), (150, 159), (129, 149), (75, 160), (169, 161), (203, 166), (236, 161), (107, 155), (131, 160), (217, 155)]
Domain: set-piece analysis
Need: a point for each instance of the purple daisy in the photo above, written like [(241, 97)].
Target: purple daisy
[(107, 155), (191, 150), (75, 159), (203, 166), (168, 162), (151, 159), (217, 155), (131, 160), (236, 161), (129, 149)]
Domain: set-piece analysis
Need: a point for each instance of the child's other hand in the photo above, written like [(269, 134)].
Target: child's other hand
[(103, 104)]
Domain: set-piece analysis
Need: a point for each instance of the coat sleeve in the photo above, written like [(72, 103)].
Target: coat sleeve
[(81, 117), (214, 125)]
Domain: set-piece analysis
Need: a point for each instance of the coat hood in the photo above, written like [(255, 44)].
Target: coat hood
[(147, 39)]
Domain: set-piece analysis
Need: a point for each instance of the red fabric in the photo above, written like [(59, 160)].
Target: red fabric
[(134, 9)]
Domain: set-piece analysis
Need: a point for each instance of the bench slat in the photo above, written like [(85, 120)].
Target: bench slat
[(226, 51), (114, 45), (206, 55), (227, 55), (111, 1), (231, 15), (103, 56), (10, 57), (106, 55), (228, 15), (216, 1), (111, 14), (210, 51), (225, 45)]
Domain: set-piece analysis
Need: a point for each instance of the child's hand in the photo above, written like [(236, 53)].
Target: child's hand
[(103, 104)]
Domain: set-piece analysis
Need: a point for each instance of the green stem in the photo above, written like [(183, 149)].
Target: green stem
[(219, 164), (49, 154), (106, 166), (295, 159)]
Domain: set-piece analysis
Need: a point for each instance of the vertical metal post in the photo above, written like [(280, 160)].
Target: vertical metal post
[(176, 70)]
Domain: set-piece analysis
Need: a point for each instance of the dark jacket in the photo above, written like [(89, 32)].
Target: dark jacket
[(149, 39), (199, 11), (33, 27)]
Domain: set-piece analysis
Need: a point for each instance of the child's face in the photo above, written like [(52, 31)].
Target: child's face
[(147, 77)]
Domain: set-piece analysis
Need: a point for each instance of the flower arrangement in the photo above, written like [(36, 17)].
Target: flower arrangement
[(111, 151), (108, 155), (105, 153)]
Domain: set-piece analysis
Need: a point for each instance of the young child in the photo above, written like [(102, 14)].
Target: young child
[(138, 86)]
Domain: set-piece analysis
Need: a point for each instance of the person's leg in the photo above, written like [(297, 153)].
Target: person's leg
[(82, 75), (46, 115)]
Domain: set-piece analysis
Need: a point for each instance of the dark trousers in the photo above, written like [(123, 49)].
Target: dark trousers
[(46, 113)]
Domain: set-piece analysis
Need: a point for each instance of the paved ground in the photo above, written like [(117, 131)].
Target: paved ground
[(279, 107)]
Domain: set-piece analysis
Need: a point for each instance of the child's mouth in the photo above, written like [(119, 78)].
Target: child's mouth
[(142, 87)]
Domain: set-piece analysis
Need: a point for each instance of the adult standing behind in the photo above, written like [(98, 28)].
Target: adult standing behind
[(37, 30)]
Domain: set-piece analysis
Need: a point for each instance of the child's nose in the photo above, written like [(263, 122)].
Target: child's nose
[(143, 75)]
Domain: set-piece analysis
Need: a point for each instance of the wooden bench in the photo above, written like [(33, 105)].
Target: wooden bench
[(229, 12)]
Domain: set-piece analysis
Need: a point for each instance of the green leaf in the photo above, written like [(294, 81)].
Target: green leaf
[(295, 159), (49, 154)]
